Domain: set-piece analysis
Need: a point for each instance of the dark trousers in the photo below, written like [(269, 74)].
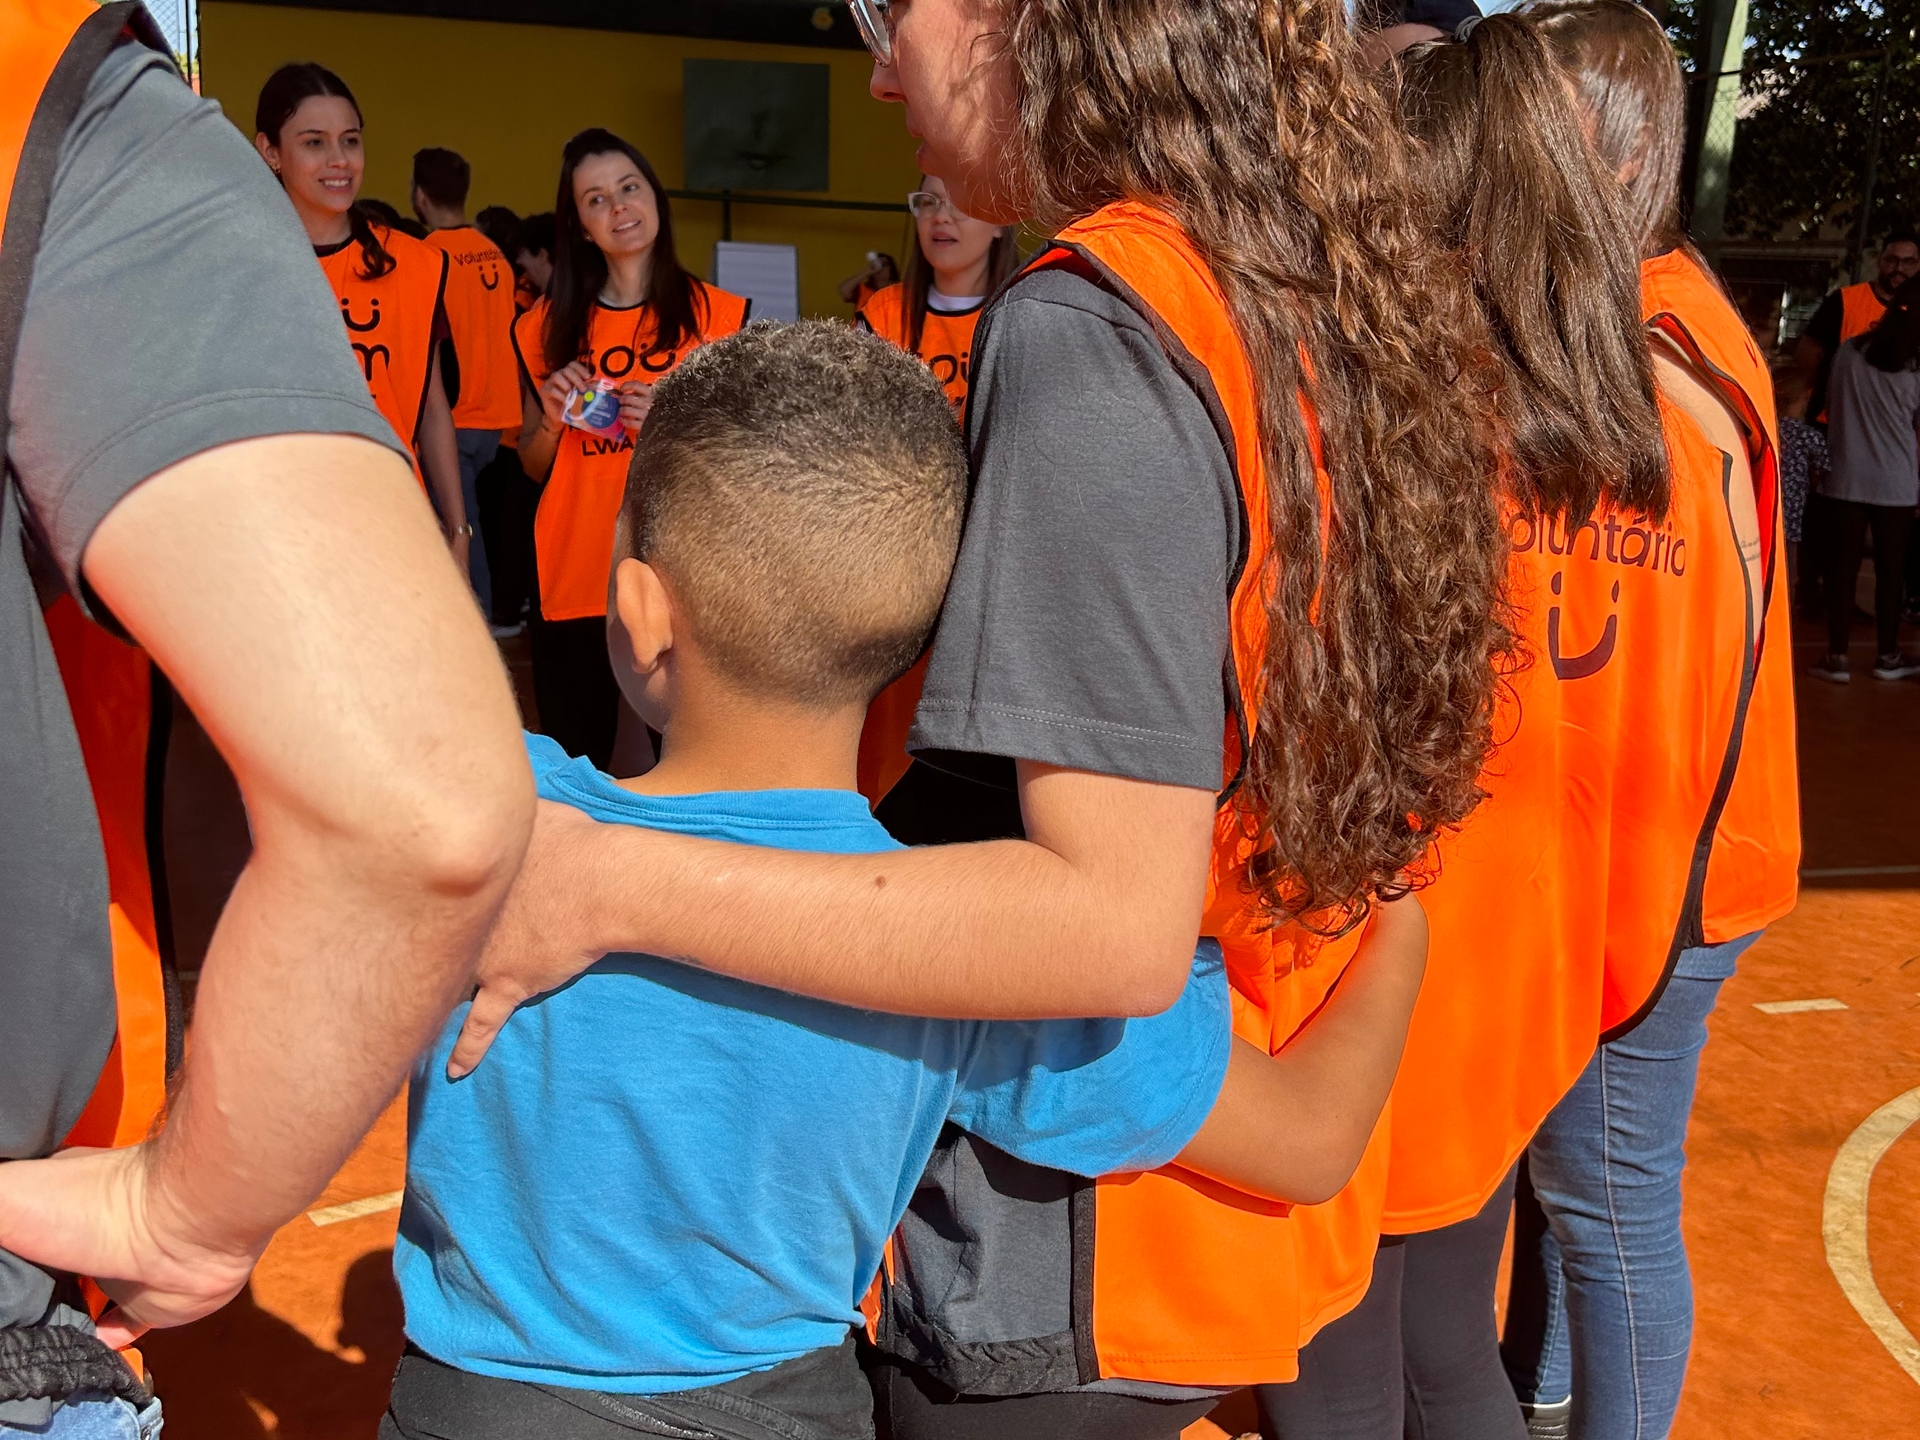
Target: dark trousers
[(909, 1405), (820, 1396), (507, 498), (1419, 1357), (1892, 525), (574, 688)]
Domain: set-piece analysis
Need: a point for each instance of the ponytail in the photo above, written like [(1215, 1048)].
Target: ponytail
[(1555, 260)]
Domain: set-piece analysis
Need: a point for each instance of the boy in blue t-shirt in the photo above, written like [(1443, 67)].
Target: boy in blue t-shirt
[(658, 1204)]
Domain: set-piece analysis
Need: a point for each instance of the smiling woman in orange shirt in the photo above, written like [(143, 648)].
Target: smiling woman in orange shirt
[(620, 314), (391, 287)]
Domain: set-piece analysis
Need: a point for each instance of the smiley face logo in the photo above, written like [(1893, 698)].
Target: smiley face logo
[(360, 327), (1578, 667), (490, 276)]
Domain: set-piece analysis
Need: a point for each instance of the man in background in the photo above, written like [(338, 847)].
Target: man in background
[(486, 378)]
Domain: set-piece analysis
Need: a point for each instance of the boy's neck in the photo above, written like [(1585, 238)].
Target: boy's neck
[(718, 739)]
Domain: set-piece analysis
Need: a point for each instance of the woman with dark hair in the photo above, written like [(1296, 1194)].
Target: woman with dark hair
[(307, 127), (1600, 1318), (1612, 736), (1873, 407), (1217, 661), (619, 314), (956, 264)]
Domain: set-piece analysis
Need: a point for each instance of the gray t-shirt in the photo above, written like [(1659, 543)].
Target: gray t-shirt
[(174, 306), (1086, 626), (1086, 623), (1875, 459)]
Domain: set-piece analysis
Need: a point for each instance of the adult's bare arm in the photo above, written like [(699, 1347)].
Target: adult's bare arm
[(1294, 1126), (1095, 913), (298, 594)]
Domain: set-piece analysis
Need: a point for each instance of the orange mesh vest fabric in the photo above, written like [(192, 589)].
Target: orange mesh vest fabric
[(1753, 876), (389, 323), (1563, 900), (1860, 309), (946, 344), (580, 502), (480, 313), (1192, 1283), (107, 685)]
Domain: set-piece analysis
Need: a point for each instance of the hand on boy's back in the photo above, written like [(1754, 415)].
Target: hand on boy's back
[(536, 944)]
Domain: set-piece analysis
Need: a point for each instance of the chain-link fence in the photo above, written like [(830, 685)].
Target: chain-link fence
[(179, 21)]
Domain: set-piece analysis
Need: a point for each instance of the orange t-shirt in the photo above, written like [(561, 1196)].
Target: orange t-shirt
[(480, 312), (580, 501)]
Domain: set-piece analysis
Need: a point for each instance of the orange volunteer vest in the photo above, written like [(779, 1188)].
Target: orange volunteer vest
[(480, 312), (1562, 902), (580, 502), (1186, 1282), (1753, 875), (946, 344), (1860, 311), (390, 321), (107, 683)]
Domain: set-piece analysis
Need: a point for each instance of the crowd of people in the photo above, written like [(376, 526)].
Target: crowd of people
[(1093, 838)]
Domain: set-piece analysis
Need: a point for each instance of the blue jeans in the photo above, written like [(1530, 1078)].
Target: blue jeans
[(477, 449), (1602, 1302), (96, 1417)]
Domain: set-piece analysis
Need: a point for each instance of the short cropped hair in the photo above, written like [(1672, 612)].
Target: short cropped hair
[(443, 176), (801, 488)]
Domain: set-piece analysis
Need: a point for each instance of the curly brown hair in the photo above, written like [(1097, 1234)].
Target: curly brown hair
[(1252, 124)]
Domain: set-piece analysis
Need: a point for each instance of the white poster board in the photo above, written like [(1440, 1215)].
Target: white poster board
[(768, 275)]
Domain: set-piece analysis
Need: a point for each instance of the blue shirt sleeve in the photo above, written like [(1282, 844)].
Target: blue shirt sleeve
[(1093, 1097)]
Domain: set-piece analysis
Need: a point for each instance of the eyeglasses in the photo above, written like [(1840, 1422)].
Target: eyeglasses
[(874, 19), (925, 202)]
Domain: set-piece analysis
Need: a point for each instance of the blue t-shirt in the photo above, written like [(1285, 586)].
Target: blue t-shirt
[(662, 1178)]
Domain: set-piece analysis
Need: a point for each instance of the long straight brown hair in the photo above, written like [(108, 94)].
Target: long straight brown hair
[(580, 270), (1629, 86), (1518, 192), (1251, 123)]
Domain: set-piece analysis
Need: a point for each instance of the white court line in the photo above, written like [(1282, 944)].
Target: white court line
[(354, 1209), (1843, 1223), (1798, 1007), (1852, 870)]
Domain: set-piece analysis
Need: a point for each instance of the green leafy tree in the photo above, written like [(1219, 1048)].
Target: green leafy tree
[(1807, 117)]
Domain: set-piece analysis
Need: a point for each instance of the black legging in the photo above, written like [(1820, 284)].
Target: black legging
[(907, 1405), (1892, 527), (1420, 1356), (574, 688)]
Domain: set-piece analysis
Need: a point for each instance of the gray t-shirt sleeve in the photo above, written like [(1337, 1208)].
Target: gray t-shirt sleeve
[(1086, 624), (175, 306)]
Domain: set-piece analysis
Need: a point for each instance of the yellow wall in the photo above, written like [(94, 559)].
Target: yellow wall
[(508, 96)]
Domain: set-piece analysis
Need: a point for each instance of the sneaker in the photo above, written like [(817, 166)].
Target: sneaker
[(1833, 668), (1895, 667), (507, 632), (1548, 1422)]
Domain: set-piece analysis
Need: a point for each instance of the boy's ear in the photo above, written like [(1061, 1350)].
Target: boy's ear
[(645, 612)]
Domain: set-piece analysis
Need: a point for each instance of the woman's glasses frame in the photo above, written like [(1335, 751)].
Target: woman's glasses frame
[(925, 202), (874, 20)]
